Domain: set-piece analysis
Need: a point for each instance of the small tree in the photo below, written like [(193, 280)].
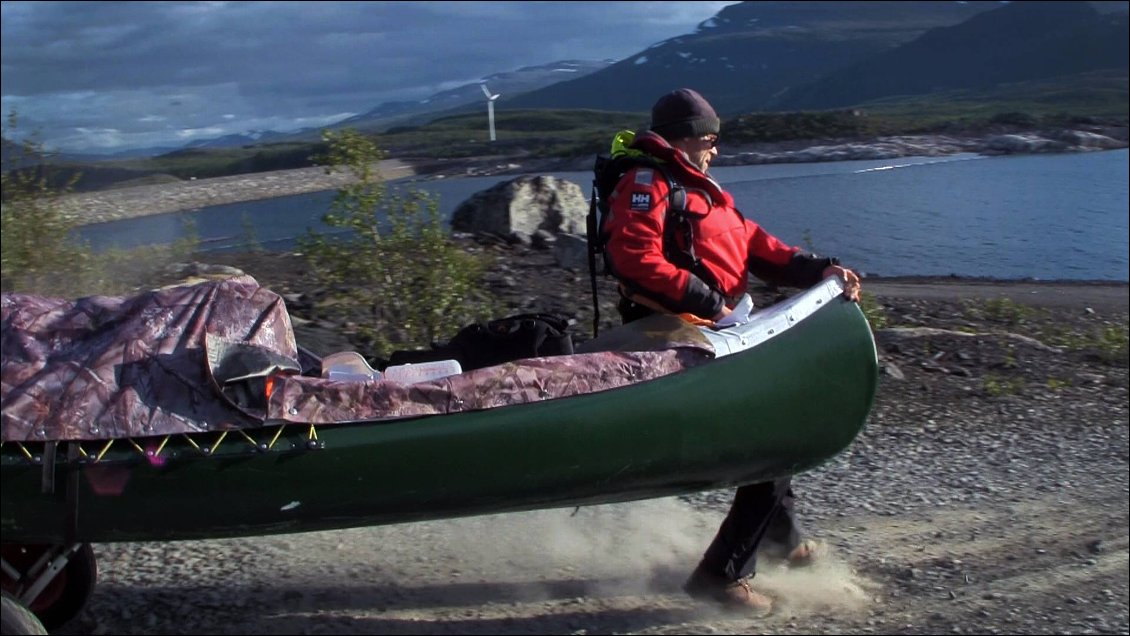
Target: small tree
[(40, 254), (36, 234), (394, 269)]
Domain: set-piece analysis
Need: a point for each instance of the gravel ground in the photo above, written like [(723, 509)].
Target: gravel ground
[(988, 493)]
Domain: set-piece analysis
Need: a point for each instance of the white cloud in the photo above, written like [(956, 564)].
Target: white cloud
[(148, 69)]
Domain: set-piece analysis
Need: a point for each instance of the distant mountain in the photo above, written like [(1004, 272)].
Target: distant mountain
[(769, 56), (751, 52), (399, 113), (523, 80), (75, 171), (239, 140), (131, 153), (1017, 42)]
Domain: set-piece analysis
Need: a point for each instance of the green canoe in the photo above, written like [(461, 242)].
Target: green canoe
[(652, 409), (785, 393)]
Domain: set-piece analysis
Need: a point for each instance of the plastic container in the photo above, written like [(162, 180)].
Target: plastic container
[(422, 371), (348, 366)]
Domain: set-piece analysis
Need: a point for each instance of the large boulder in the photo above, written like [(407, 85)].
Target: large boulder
[(521, 208)]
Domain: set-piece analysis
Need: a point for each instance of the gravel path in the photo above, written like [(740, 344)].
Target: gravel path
[(987, 494), (162, 198)]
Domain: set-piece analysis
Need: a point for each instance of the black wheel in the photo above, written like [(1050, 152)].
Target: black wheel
[(66, 594), (17, 620)]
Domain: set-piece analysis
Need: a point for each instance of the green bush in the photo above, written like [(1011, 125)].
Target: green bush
[(876, 315), (394, 273), (1000, 386), (1020, 120), (39, 254), (36, 234)]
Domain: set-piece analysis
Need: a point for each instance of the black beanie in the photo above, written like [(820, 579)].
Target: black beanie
[(683, 113)]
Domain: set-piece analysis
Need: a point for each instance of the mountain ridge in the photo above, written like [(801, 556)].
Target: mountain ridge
[(1024, 41), (781, 56)]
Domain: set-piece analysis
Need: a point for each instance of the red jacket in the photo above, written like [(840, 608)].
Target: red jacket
[(728, 246)]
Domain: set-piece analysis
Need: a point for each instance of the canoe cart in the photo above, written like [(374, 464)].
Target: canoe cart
[(191, 413)]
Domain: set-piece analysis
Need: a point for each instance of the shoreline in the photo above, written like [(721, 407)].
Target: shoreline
[(117, 204)]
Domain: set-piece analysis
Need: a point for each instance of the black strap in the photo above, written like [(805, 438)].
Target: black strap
[(677, 221), (594, 246)]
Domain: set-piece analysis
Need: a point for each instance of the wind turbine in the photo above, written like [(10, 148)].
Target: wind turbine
[(490, 107)]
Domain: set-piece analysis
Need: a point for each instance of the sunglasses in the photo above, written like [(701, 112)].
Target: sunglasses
[(710, 139)]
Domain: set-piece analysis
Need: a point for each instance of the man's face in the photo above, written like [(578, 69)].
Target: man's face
[(700, 150)]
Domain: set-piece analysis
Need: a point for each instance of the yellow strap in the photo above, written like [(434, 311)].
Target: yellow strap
[(218, 442), (276, 437), (25, 451), (105, 448)]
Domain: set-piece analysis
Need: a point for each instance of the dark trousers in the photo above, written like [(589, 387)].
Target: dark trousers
[(760, 512)]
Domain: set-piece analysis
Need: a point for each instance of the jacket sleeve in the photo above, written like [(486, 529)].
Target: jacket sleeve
[(777, 263), (635, 248)]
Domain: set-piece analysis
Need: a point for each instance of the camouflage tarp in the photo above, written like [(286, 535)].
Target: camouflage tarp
[(194, 358), (103, 367), (306, 399)]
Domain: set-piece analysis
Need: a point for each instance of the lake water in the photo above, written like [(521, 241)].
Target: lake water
[(1035, 216)]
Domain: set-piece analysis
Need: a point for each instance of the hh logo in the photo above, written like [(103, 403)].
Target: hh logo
[(641, 201)]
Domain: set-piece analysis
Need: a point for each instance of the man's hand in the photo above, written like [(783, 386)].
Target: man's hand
[(852, 285)]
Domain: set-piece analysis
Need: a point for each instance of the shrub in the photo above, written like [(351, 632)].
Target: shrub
[(876, 315), (39, 253), (394, 269), (36, 233), (1014, 119)]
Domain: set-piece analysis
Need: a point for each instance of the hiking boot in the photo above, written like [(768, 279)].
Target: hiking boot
[(801, 555), (733, 595), (805, 554)]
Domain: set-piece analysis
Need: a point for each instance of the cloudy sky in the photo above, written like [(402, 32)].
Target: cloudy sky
[(104, 76)]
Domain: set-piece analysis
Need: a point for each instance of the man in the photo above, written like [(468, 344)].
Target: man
[(705, 274)]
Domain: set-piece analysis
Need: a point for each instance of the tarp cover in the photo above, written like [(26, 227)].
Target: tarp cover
[(105, 367), (161, 363)]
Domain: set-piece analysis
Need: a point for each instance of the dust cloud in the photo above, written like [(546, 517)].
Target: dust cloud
[(827, 585), (629, 549)]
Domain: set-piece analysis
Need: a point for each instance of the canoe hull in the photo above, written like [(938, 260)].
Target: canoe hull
[(780, 408)]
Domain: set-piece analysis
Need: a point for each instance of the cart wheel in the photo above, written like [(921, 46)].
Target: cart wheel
[(66, 594), (17, 620)]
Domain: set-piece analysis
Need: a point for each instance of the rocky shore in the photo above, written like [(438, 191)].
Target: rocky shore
[(130, 202)]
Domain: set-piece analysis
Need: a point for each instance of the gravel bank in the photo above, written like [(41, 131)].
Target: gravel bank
[(163, 198)]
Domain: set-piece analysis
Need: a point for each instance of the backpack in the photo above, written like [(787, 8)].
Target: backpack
[(506, 339), (607, 172)]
